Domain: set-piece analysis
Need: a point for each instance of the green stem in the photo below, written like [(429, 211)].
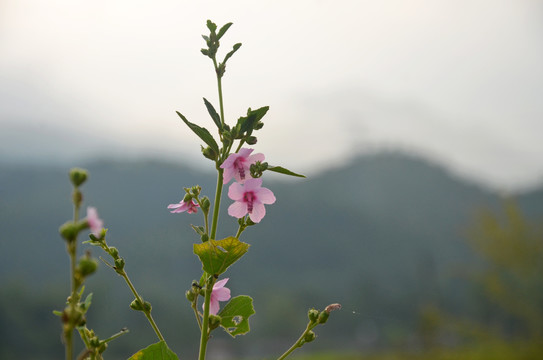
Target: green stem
[(72, 252), (217, 204), (205, 321), (219, 86), (146, 312), (298, 342)]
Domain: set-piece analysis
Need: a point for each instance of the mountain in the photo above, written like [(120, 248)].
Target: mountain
[(383, 236)]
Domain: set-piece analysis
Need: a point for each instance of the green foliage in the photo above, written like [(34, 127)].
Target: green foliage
[(202, 133), (512, 247), (158, 351), (235, 315), (282, 170), (217, 255)]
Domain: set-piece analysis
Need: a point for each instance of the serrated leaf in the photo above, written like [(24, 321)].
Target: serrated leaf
[(217, 255), (223, 30), (202, 133), (229, 55), (158, 351), (235, 315), (213, 113), (282, 170)]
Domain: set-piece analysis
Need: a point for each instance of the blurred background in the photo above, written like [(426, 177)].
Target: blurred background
[(418, 124)]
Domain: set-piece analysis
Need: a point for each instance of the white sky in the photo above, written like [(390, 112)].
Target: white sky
[(459, 81)]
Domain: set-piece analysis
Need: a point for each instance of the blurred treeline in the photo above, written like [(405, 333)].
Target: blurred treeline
[(425, 265)]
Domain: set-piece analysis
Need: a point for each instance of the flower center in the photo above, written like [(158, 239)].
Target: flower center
[(238, 164), (249, 197)]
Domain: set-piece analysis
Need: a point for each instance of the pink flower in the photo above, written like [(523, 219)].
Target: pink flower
[(219, 293), (249, 199), (237, 165), (190, 207), (95, 223)]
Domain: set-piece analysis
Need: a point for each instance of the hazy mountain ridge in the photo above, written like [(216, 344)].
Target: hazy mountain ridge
[(380, 236)]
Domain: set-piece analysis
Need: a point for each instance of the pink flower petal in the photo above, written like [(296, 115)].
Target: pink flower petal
[(236, 191), (237, 209), (213, 307), (252, 185), (220, 283), (222, 294), (259, 211), (245, 152), (265, 196)]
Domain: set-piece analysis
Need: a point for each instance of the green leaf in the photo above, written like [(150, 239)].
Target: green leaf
[(223, 30), (87, 303), (217, 255), (158, 351), (229, 55), (235, 315), (202, 133), (282, 170), (213, 113)]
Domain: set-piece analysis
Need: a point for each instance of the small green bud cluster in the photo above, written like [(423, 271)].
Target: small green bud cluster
[(194, 291), (212, 42), (258, 168), (78, 176)]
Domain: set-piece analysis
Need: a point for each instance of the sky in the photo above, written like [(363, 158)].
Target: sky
[(459, 82)]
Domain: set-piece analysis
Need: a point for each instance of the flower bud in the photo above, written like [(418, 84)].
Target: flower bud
[(313, 315), (214, 321), (136, 305), (94, 341), (187, 198), (119, 264), (309, 336), (68, 231), (190, 295), (147, 306), (206, 204), (209, 153), (204, 238), (87, 266), (323, 317), (259, 125), (251, 140), (78, 176), (114, 252)]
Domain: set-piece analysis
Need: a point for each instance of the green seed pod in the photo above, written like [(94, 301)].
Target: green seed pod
[(78, 176)]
